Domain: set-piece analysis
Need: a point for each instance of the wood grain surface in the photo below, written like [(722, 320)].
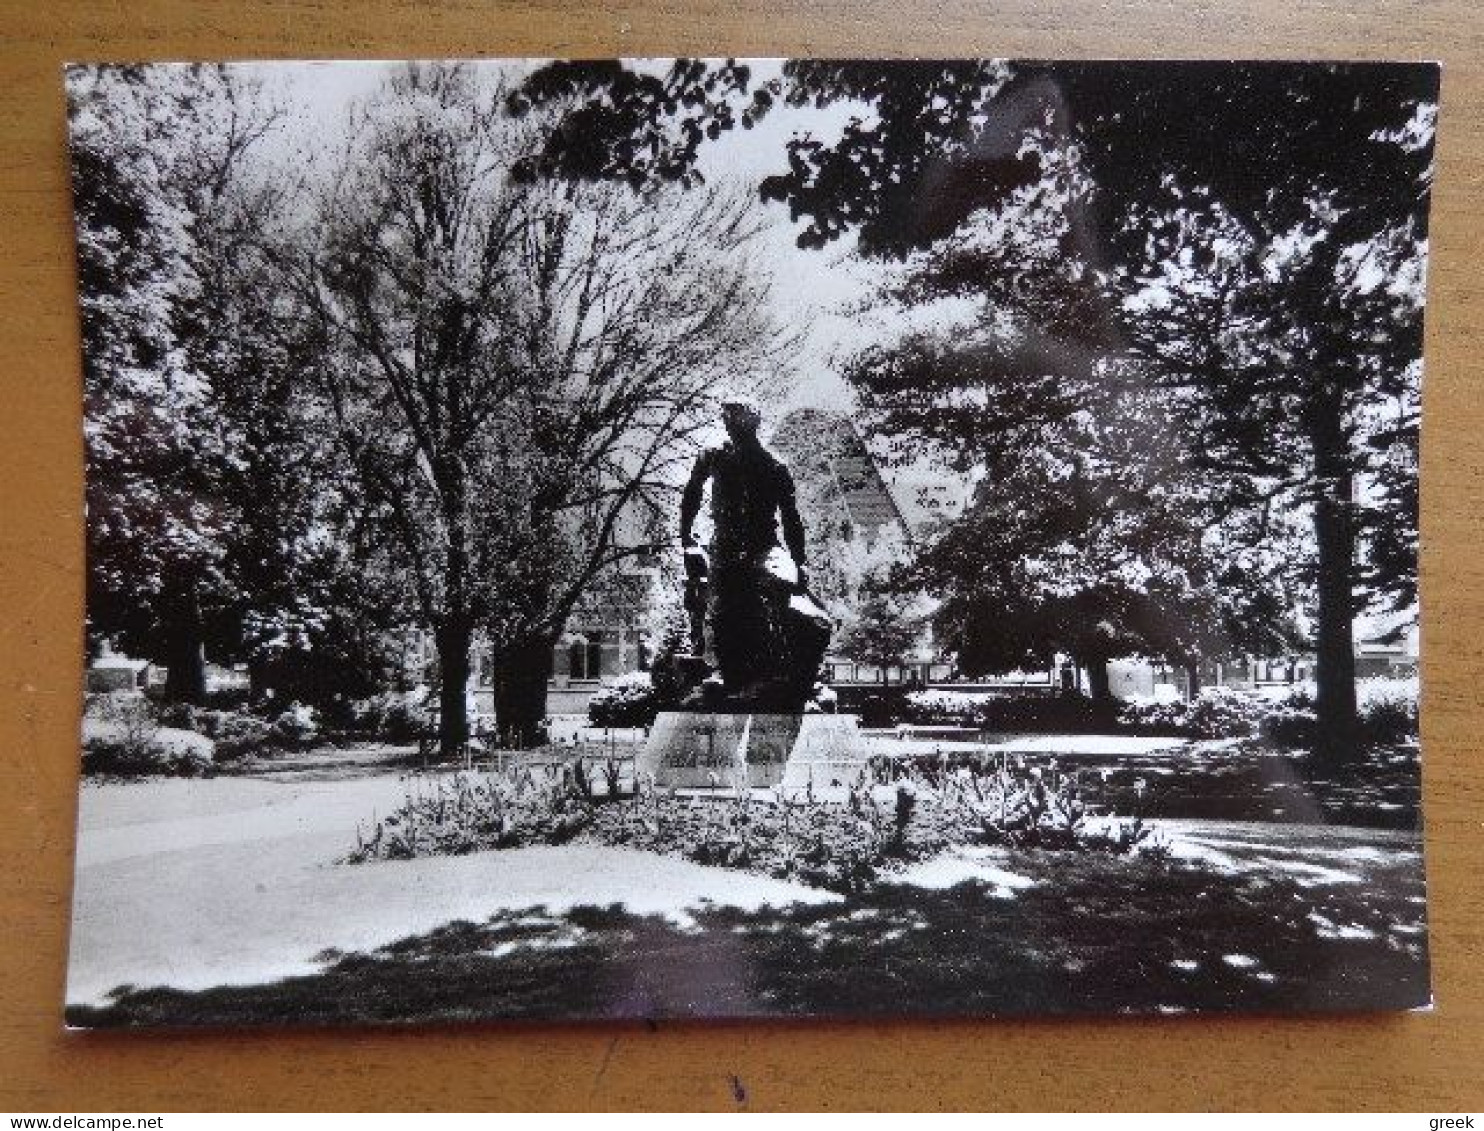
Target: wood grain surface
[(1419, 1062)]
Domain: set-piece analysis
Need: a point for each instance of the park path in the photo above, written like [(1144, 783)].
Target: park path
[(203, 882)]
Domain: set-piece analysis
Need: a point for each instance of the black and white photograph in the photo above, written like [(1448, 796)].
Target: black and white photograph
[(719, 538)]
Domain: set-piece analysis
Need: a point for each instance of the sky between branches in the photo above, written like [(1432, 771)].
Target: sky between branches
[(819, 292)]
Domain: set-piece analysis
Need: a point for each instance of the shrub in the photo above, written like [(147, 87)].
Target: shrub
[(406, 718), (1224, 712), (629, 701), (242, 733), (124, 738), (337, 715), (1036, 714), (181, 715), (1217, 712), (237, 733), (1022, 713), (295, 727), (878, 708), (392, 716), (1289, 722), (937, 707), (1388, 708), (1154, 716), (130, 721)]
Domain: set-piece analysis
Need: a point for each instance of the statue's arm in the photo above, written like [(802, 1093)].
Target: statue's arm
[(690, 499), (793, 525)]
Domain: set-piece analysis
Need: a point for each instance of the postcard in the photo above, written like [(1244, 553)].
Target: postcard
[(712, 538)]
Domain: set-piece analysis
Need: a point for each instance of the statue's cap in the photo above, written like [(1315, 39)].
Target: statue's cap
[(745, 401)]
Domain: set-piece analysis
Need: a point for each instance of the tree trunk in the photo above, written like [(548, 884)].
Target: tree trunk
[(521, 674), (1098, 685), (257, 680), (1192, 679), (1334, 674), (185, 659), (1334, 530), (452, 639)]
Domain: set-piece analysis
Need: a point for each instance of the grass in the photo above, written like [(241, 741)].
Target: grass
[(1381, 789), (1092, 934)]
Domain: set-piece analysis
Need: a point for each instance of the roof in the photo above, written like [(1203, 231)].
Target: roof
[(868, 503)]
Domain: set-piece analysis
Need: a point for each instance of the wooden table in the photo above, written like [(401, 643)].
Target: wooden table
[(1420, 1062)]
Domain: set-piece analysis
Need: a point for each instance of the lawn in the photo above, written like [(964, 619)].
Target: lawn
[(1326, 922)]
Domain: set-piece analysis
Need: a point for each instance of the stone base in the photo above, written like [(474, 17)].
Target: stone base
[(719, 750), (830, 751)]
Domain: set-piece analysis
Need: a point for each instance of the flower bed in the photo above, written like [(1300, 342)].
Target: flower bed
[(886, 820)]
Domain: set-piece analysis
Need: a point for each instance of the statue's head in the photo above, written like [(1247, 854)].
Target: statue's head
[(741, 416)]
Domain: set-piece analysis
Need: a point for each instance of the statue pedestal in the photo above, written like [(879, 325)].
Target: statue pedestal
[(830, 751), (720, 750)]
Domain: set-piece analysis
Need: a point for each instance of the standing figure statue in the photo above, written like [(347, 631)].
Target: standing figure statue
[(765, 636)]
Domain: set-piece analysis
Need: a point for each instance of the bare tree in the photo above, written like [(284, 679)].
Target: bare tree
[(516, 370)]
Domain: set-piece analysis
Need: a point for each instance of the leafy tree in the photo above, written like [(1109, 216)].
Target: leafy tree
[(150, 528), (213, 524), (881, 628), (1299, 351), (642, 312), (176, 359), (301, 548), (1306, 385), (1272, 283), (1091, 531), (616, 123)]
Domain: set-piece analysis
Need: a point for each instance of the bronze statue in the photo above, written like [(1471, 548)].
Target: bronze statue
[(763, 636)]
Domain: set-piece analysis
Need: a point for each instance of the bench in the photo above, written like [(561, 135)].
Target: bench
[(950, 733)]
